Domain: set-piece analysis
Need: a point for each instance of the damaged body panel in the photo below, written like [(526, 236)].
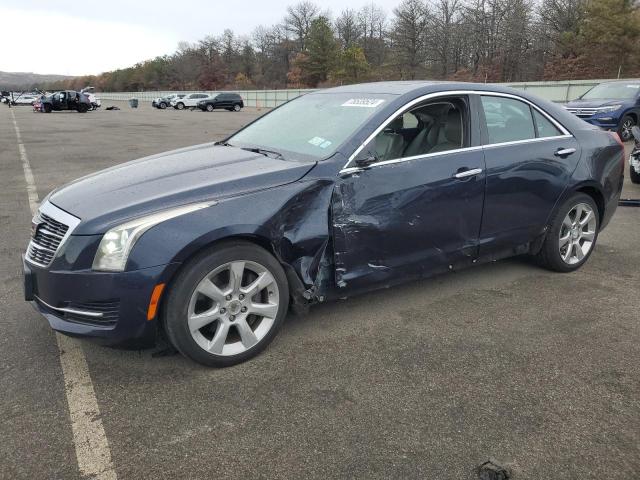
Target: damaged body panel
[(406, 219), (348, 189)]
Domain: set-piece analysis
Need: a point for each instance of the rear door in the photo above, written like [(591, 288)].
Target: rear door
[(227, 100), (530, 158)]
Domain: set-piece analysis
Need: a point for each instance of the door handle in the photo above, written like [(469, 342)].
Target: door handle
[(564, 152), (468, 173)]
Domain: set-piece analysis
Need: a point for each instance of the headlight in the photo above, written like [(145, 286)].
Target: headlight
[(610, 108), (117, 243)]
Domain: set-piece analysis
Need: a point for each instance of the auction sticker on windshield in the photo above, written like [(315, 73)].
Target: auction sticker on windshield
[(363, 102)]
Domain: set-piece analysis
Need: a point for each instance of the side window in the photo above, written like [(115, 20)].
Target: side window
[(508, 120), (429, 128), (545, 127)]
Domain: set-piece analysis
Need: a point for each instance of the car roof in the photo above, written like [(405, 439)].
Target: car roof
[(403, 87), (409, 90)]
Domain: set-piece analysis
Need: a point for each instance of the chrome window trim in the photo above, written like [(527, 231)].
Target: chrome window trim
[(59, 215), (350, 169), (70, 310)]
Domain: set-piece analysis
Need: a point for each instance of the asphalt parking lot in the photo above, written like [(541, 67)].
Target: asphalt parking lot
[(428, 380)]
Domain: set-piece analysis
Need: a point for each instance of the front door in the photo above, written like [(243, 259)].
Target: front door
[(417, 208)]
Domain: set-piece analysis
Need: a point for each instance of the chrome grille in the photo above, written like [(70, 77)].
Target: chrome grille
[(50, 227), (583, 112)]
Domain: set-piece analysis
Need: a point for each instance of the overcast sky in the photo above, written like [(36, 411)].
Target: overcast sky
[(83, 37)]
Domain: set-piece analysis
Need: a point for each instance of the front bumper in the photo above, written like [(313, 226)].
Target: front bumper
[(110, 308)]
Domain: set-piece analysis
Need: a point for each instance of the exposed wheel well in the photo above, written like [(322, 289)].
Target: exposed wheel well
[(634, 116), (597, 197)]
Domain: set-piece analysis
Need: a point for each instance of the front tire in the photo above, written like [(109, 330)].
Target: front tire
[(227, 304), (162, 105), (626, 124), (209, 107), (180, 106), (572, 235)]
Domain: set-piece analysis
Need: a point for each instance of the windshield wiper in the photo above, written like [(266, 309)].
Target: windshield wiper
[(263, 151), (224, 144)]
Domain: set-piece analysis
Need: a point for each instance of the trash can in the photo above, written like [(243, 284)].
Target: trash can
[(133, 103)]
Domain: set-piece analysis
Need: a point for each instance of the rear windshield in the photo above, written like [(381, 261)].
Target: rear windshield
[(313, 125), (613, 91)]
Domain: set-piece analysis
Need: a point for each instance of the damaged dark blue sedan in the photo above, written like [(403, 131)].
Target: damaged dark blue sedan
[(334, 193)]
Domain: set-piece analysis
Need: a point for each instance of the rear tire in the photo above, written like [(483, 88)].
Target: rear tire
[(237, 108), (572, 235), (210, 320)]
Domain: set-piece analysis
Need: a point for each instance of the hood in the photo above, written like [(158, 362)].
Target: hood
[(595, 103), (179, 177)]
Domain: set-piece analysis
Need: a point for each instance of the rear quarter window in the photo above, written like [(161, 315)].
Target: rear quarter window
[(545, 127)]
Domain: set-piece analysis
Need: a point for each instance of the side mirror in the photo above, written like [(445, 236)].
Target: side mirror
[(635, 131), (366, 160)]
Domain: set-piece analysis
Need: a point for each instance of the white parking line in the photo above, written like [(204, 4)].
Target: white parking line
[(91, 445)]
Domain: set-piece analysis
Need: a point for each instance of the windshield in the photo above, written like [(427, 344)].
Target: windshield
[(313, 125), (605, 91)]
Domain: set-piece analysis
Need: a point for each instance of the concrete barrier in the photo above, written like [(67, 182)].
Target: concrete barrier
[(561, 91)]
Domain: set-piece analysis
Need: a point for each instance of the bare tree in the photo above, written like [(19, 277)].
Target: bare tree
[(408, 37), (298, 21), (348, 28), (443, 34), (373, 22)]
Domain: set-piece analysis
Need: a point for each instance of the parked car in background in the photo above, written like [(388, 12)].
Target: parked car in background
[(66, 100), (229, 101), (24, 99), (93, 99), (612, 106), (634, 158), (164, 102), (188, 101), (332, 194)]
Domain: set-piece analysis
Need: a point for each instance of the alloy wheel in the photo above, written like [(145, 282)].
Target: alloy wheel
[(577, 234), (233, 308), (625, 130)]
